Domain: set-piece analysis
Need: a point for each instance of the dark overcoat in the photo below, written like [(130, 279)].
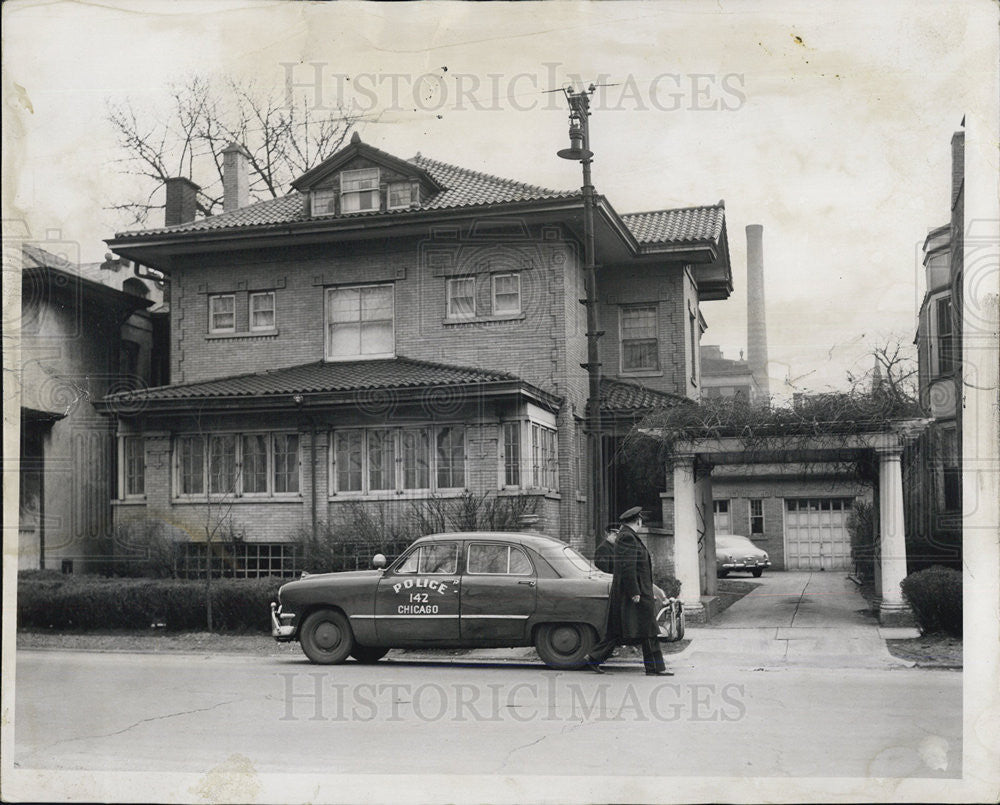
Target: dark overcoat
[(633, 569), (604, 557)]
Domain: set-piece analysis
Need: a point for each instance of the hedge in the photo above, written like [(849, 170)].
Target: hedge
[(48, 600), (935, 596)]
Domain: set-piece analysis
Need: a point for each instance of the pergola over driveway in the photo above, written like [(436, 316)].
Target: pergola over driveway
[(691, 464)]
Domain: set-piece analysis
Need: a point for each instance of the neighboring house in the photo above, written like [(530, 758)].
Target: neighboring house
[(724, 377), (394, 331), (86, 330), (934, 464)]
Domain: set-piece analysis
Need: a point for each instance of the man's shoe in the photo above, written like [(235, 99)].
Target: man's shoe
[(594, 666), (664, 672)]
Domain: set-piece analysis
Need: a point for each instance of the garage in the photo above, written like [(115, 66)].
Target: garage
[(816, 536)]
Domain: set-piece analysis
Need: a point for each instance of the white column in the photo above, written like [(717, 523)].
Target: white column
[(686, 533), (892, 533)]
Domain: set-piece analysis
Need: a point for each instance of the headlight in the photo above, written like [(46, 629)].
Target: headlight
[(766, 557)]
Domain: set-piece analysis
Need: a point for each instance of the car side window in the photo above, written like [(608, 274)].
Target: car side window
[(435, 558), (490, 559)]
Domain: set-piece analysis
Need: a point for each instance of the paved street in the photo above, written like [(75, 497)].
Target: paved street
[(791, 681)]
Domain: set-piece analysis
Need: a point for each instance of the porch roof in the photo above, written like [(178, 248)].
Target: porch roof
[(365, 383)]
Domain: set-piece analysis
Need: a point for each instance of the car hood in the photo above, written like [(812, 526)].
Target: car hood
[(314, 579)]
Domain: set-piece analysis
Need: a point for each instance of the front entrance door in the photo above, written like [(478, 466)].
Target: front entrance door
[(418, 600)]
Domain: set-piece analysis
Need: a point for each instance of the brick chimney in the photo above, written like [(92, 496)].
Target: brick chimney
[(756, 320), (182, 201), (235, 178)]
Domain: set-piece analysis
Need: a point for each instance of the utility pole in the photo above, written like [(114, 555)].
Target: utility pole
[(579, 151)]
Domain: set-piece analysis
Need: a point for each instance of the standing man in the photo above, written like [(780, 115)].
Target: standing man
[(631, 615), (604, 556)]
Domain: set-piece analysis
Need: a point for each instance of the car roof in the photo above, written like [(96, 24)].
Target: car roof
[(520, 537), (731, 536)]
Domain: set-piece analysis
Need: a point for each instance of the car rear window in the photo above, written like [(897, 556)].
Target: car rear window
[(578, 560)]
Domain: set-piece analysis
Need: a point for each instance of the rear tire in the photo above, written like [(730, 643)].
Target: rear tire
[(326, 637), (757, 573), (368, 654), (565, 645)]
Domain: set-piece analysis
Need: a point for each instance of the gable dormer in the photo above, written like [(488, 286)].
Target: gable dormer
[(360, 178)]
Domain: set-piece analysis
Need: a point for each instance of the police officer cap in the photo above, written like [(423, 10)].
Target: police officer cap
[(630, 514)]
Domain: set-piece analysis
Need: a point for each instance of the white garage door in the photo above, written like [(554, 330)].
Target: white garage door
[(816, 534)]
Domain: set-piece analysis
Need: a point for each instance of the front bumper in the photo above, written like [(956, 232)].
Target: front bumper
[(282, 624), (745, 564)]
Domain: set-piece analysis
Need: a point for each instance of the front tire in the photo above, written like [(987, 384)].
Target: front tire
[(368, 654), (326, 637), (565, 645), (757, 573)]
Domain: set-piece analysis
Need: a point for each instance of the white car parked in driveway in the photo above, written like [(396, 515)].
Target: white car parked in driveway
[(735, 552)]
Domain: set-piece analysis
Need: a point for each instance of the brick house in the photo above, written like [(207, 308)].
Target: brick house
[(86, 330), (934, 478), (392, 331)]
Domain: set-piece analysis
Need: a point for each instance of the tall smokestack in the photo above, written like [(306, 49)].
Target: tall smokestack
[(756, 320)]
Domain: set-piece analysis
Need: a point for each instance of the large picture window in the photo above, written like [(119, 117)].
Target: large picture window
[(359, 322), (237, 464), (382, 460), (639, 342)]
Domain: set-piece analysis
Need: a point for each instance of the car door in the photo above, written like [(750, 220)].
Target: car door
[(498, 594), (417, 600)]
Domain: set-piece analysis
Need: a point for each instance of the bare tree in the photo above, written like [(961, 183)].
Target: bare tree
[(284, 137)]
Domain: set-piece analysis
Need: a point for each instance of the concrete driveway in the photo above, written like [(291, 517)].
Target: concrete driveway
[(795, 619)]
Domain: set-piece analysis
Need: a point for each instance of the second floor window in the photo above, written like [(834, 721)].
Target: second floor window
[(359, 190), (262, 311), (462, 298), (945, 336), (640, 345), (222, 313), (506, 294), (359, 322)]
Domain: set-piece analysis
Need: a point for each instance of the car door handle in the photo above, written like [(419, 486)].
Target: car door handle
[(529, 583)]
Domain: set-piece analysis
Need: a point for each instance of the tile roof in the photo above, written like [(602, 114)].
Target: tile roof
[(463, 188), (323, 376), (617, 395), (688, 224)]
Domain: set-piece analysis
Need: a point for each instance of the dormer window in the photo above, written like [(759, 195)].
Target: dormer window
[(400, 195), (359, 190)]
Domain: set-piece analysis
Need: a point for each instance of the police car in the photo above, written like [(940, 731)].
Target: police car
[(458, 590)]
